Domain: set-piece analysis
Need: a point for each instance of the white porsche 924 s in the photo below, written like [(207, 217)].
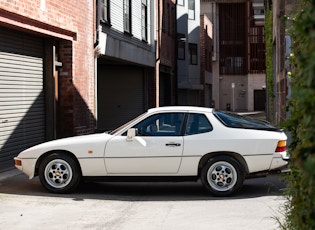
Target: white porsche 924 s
[(164, 144)]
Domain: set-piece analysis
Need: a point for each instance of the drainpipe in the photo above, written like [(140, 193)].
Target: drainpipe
[(176, 58), (97, 29), (158, 60)]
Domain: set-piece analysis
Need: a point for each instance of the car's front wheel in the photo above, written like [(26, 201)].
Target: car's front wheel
[(222, 175), (59, 173)]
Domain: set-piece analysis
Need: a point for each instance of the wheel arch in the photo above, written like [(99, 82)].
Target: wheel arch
[(43, 156), (239, 158)]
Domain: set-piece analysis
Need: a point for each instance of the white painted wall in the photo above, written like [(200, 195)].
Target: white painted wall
[(114, 43), (189, 75)]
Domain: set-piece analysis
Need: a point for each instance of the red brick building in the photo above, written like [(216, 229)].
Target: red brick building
[(166, 52), (46, 72), (206, 47), (238, 56)]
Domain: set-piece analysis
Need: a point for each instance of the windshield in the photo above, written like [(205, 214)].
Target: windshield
[(234, 120), (124, 125)]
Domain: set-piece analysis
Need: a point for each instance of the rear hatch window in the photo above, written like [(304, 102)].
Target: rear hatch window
[(234, 120)]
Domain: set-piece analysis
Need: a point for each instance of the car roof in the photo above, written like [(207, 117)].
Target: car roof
[(181, 109)]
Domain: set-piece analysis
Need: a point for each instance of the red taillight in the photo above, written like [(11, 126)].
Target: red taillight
[(282, 146)]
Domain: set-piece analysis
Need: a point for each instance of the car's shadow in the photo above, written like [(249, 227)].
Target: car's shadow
[(268, 186)]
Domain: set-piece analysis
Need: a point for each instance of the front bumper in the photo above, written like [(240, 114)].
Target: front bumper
[(26, 165)]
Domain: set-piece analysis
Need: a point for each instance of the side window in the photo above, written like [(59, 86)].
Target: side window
[(197, 123), (164, 124)]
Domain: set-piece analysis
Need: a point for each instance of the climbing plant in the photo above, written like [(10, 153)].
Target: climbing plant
[(300, 208), (269, 60)]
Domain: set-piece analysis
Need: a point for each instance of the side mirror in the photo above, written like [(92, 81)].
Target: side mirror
[(131, 133)]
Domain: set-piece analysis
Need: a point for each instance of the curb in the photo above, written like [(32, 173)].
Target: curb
[(9, 173)]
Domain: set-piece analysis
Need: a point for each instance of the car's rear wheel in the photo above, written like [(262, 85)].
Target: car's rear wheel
[(59, 173), (222, 175)]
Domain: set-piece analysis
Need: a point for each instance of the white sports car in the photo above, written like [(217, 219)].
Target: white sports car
[(168, 143)]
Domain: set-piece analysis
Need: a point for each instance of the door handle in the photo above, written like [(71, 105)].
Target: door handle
[(173, 144)]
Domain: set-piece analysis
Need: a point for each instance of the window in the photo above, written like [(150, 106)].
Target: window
[(257, 63), (234, 120), (181, 46), (197, 123), (173, 27), (191, 9), (233, 41), (144, 20), (164, 124), (105, 13), (127, 16), (206, 59), (193, 54), (168, 19), (180, 2), (164, 17)]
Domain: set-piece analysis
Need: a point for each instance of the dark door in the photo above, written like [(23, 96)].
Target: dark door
[(259, 100)]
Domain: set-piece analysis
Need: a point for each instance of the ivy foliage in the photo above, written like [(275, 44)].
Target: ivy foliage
[(300, 213), (269, 59)]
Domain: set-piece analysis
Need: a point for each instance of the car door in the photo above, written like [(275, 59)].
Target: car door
[(156, 150)]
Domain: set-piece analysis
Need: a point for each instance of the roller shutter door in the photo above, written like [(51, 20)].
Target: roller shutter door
[(22, 113), (120, 95)]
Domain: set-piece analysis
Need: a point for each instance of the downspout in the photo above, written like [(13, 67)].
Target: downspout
[(158, 60), (96, 51), (176, 56)]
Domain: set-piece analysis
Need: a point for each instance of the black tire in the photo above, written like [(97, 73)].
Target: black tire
[(59, 173), (222, 175)]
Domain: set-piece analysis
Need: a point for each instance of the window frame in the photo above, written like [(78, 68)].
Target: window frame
[(144, 20), (181, 45), (193, 53), (181, 2), (127, 16), (105, 11), (191, 10), (200, 130)]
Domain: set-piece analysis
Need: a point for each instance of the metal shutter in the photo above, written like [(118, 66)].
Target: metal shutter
[(22, 107), (120, 95)]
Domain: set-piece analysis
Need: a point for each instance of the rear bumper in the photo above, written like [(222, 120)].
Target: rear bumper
[(278, 162), (285, 155)]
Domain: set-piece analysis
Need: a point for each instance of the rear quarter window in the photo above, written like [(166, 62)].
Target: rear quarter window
[(197, 123)]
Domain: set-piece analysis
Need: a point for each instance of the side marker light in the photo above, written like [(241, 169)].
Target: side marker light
[(18, 162)]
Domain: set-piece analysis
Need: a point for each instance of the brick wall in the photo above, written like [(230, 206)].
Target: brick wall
[(168, 32), (165, 48), (205, 52), (72, 25)]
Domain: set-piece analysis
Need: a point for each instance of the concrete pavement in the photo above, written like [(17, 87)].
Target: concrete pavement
[(25, 204), (9, 173)]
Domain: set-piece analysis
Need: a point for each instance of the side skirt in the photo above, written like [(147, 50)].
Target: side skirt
[(142, 178)]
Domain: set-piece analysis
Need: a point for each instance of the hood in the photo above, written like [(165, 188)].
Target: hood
[(78, 145)]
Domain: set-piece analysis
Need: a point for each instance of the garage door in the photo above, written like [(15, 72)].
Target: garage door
[(120, 95), (22, 114)]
